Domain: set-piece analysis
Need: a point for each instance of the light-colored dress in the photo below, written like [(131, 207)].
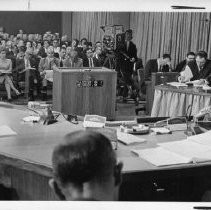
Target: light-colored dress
[(5, 66)]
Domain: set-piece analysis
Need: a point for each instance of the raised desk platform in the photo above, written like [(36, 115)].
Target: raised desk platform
[(25, 162), (172, 101)]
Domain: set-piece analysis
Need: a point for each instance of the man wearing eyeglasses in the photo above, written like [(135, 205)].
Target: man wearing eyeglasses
[(199, 69)]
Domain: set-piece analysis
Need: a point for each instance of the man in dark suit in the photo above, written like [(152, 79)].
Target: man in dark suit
[(162, 64), (198, 69), (27, 62), (62, 56), (90, 61), (126, 56), (189, 57)]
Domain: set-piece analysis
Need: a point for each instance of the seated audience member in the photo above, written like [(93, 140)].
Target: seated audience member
[(82, 52), (162, 64), (98, 44), (28, 45), (98, 57), (85, 168), (93, 59), (41, 50), (62, 56), (83, 40), (89, 45), (48, 63), (10, 53), (46, 44), (88, 60), (21, 45), (5, 73), (189, 57), (56, 47), (28, 62), (74, 45), (72, 59), (200, 69)]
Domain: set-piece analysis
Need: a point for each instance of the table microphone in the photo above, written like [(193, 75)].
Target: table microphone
[(49, 119)]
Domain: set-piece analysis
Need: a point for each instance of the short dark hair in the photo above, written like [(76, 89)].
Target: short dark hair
[(84, 39), (88, 49), (166, 56), (89, 44), (83, 156), (76, 41), (129, 31), (202, 54), (190, 53), (63, 48)]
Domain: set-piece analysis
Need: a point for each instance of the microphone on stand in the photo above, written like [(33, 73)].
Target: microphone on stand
[(49, 119)]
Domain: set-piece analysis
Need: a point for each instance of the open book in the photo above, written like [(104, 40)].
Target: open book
[(177, 152)]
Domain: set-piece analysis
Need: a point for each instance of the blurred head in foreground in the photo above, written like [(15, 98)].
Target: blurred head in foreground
[(85, 168)]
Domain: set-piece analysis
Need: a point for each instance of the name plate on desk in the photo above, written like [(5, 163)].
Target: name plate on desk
[(89, 83)]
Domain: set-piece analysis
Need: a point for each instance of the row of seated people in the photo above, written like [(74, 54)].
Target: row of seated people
[(196, 66), (27, 60)]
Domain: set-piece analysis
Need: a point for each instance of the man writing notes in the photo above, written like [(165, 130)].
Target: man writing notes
[(85, 168), (200, 69)]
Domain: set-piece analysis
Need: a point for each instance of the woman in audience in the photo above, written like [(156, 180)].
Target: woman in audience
[(56, 47), (5, 73)]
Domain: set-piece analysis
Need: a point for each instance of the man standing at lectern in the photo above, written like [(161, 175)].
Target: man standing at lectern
[(127, 55)]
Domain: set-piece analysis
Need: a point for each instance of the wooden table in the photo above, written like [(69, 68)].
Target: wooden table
[(25, 161), (172, 101)]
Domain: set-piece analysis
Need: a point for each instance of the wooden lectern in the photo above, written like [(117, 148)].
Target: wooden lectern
[(80, 91)]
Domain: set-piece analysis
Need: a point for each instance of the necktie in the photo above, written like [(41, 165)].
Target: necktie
[(128, 45), (90, 63), (27, 63)]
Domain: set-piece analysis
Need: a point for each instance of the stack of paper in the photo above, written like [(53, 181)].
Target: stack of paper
[(204, 138), (193, 150), (127, 139), (161, 130), (31, 119), (161, 157), (6, 131), (177, 84)]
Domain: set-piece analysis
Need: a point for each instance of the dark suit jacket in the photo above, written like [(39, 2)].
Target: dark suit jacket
[(152, 66), (20, 65), (203, 73), (180, 66), (96, 62), (124, 63)]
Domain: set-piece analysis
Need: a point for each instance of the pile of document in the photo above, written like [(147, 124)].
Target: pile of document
[(194, 149)]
